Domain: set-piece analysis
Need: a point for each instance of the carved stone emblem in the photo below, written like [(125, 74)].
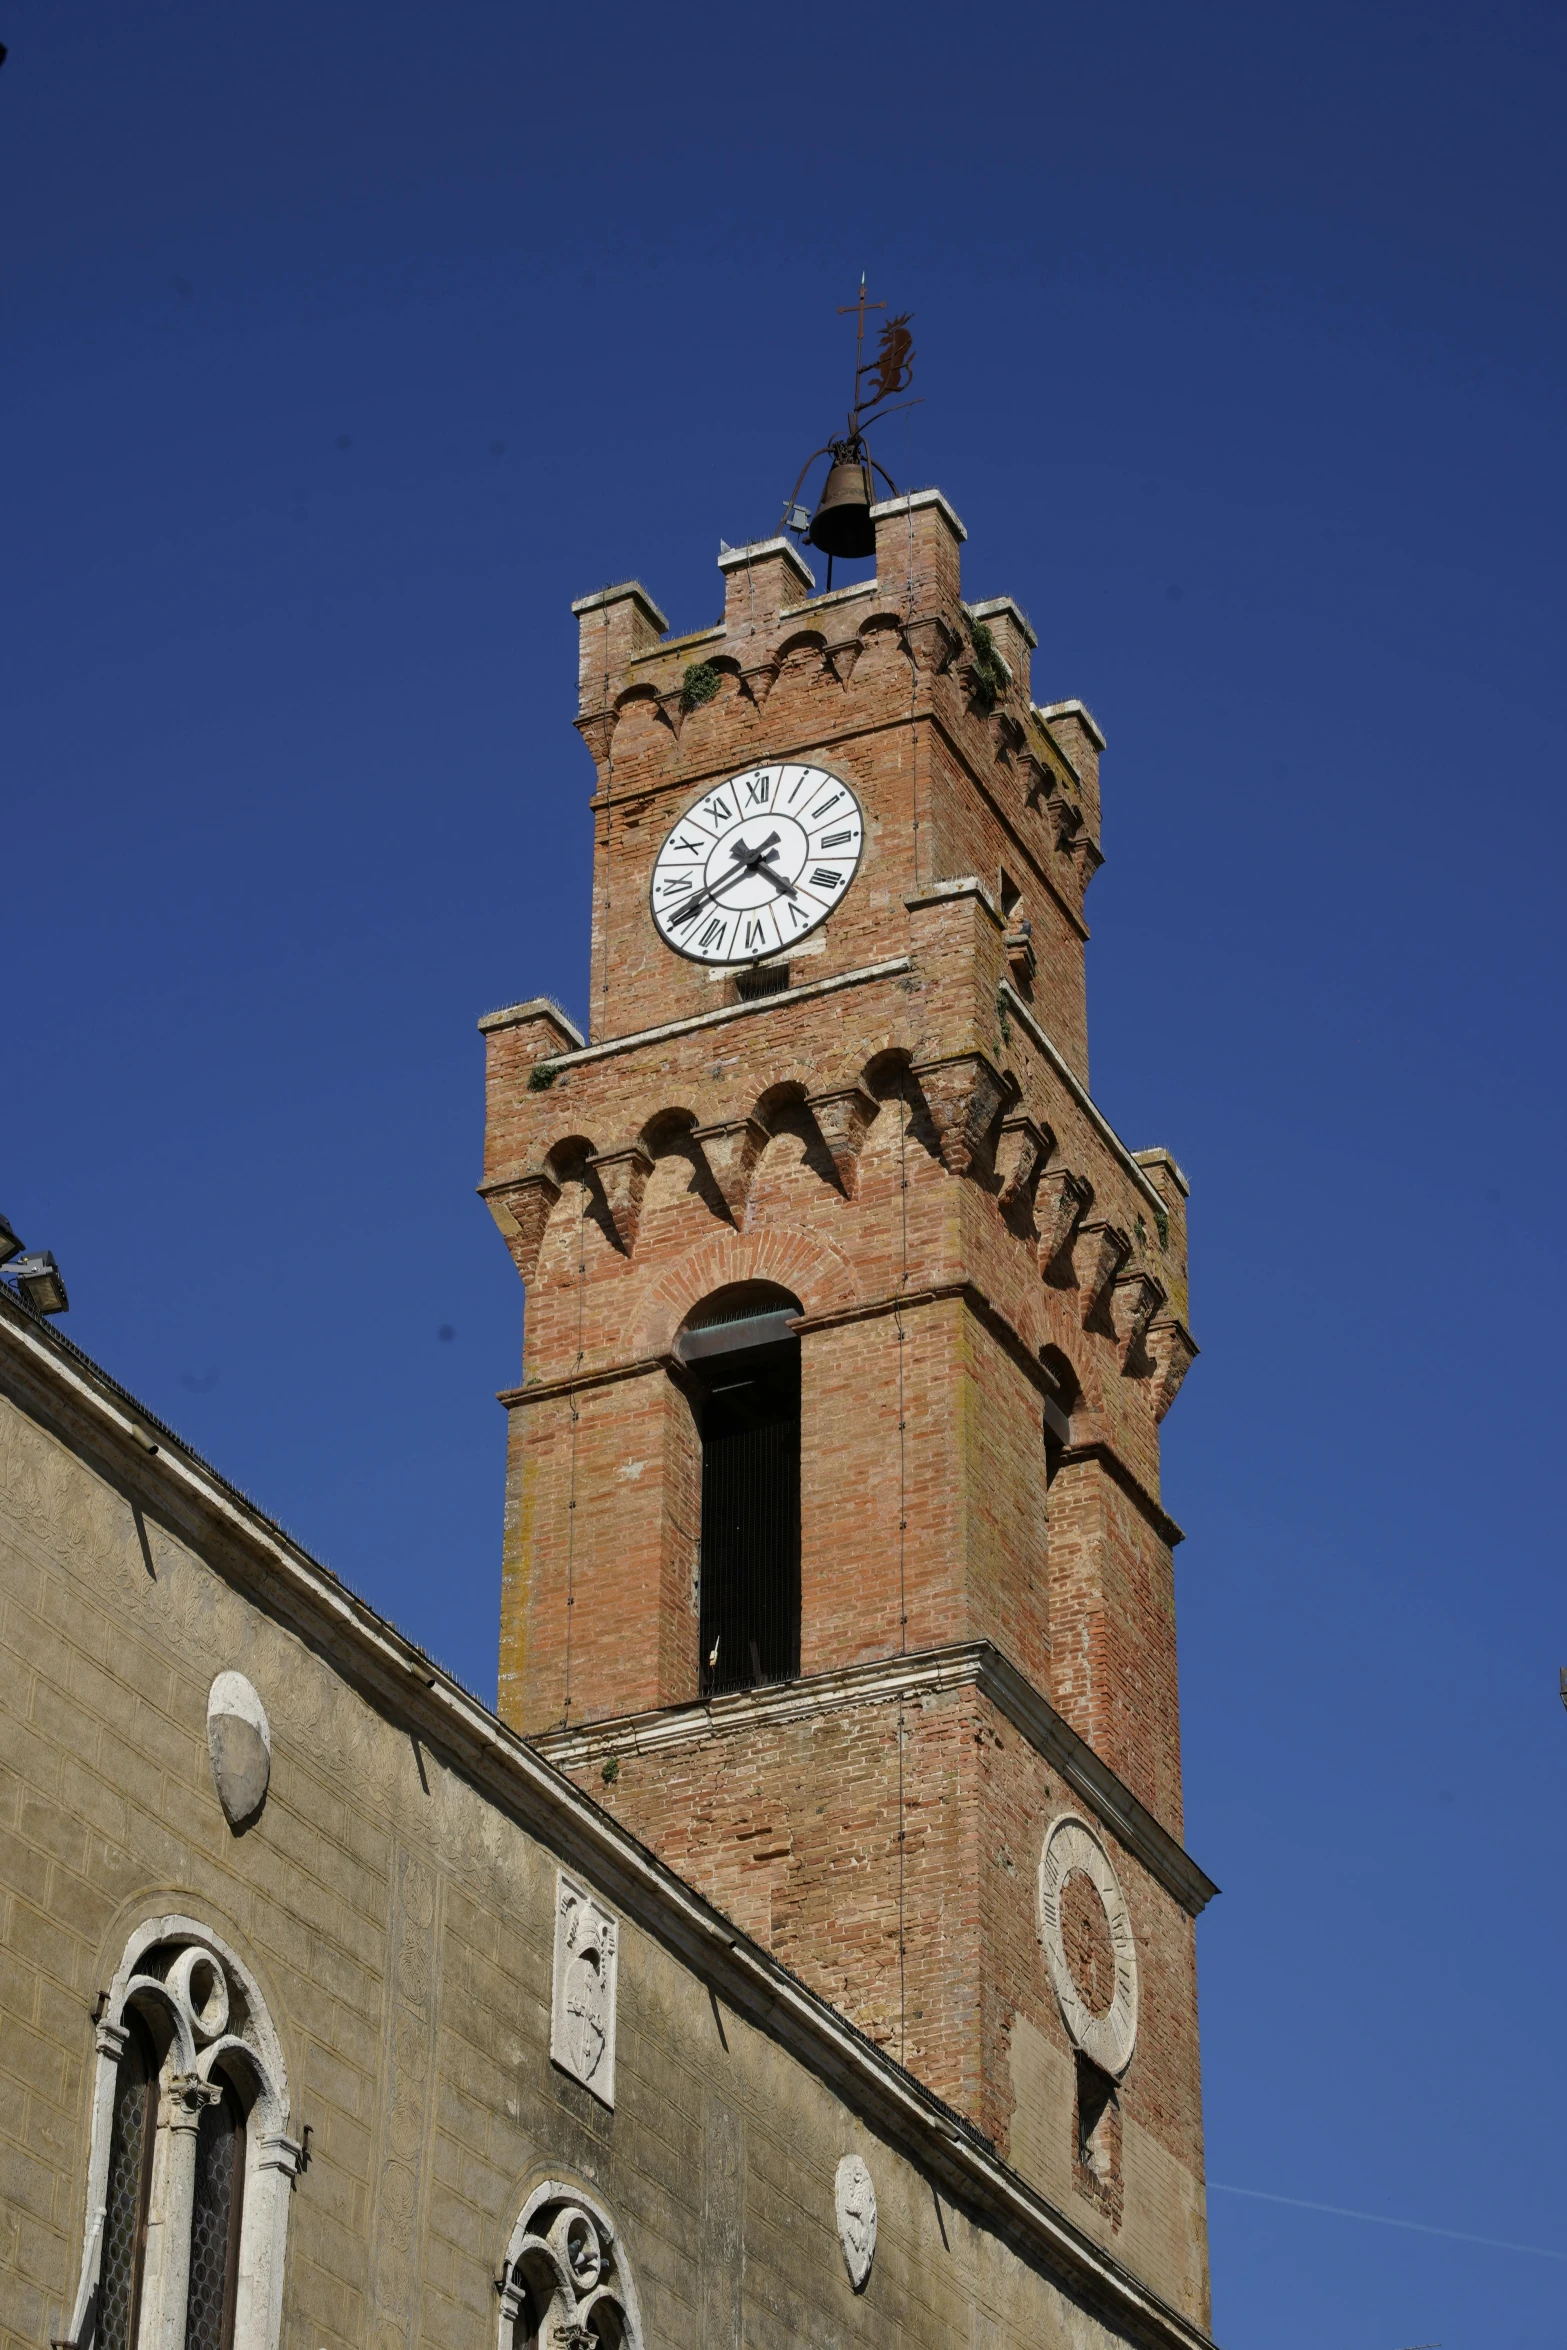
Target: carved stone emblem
[(854, 2198), (1108, 2035), (239, 1741), (582, 2011)]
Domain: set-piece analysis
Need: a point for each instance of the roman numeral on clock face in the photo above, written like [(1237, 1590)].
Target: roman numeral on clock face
[(744, 870)]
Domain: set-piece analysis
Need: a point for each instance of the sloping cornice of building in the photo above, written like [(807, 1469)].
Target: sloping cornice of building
[(960, 1664)]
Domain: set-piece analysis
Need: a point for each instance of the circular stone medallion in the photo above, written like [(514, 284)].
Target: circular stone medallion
[(1071, 1847)]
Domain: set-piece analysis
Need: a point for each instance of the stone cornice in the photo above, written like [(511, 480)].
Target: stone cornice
[(1079, 711), (64, 1390), (727, 1012), (624, 591), (973, 1664)]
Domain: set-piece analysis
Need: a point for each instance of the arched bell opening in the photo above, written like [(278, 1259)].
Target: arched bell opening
[(1062, 1396), (741, 1355)]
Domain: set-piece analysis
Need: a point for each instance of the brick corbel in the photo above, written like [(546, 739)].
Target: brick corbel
[(1062, 1201), (596, 727), (842, 656), (731, 1151), (1134, 1300), (962, 1092), (1068, 819), (521, 1207), (623, 1175), (759, 682), (1173, 1351), (1008, 736), (1023, 1150), (931, 643), (844, 1117), (1098, 1253)]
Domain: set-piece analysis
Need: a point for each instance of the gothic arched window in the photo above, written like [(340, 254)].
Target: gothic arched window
[(564, 2281), (190, 2162), (742, 1355)]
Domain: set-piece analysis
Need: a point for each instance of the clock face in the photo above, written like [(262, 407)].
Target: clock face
[(756, 863)]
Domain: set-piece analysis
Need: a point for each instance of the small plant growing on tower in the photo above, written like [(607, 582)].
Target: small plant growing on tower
[(699, 684), (989, 674), (542, 1076)]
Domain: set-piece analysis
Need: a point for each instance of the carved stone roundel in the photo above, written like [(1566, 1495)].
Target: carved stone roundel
[(1107, 2039), (854, 2198), (239, 1741)]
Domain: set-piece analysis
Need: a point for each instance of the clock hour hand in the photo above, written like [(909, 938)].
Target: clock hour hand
[(748, 860), (758, 859), (693, 906), (784, 888)]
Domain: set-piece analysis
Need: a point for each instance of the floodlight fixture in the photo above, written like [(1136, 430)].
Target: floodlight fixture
[(10, 1246), (37, 1276)]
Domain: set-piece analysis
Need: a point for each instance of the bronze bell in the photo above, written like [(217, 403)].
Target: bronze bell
[(842, 522)]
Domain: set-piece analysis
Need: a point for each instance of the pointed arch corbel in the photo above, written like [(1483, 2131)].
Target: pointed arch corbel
[(844, 1114), (733, 1148), (1021, 1156), (1061, 1202), (622, 1177), (963, 1092)]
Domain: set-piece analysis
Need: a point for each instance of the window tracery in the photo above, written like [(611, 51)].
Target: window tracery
[(566, 2285), (191, 2160)]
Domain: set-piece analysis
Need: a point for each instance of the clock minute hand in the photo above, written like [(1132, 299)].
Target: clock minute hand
[(693, 906)]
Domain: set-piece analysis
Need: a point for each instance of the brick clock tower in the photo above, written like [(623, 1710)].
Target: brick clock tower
[(835, 1561)]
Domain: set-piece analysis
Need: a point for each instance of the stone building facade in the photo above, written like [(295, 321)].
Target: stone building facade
[(804, 1951)]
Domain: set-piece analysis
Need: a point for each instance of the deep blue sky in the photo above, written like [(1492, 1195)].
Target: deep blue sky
[(344, 345)]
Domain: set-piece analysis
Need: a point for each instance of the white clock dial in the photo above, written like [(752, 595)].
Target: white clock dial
[(756, 863)]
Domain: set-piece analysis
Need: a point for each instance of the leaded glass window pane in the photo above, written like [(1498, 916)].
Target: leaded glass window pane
[(130, 2176), (214, 2227)]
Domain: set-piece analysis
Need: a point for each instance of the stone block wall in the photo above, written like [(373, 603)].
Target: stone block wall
[(398, 1919)]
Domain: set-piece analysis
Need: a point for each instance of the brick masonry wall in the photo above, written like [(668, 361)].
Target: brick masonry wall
[(792, 1828), (875, 683), (429, 2121), (935, 1274)]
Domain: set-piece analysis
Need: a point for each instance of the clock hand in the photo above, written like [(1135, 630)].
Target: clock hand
[(746, 859), (693, 906)]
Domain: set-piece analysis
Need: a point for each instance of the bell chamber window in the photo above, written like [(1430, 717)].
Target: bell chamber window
[(190, 2159), (742, 1357)]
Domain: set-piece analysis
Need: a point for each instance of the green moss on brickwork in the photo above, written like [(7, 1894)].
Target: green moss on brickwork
[(700, 684)]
